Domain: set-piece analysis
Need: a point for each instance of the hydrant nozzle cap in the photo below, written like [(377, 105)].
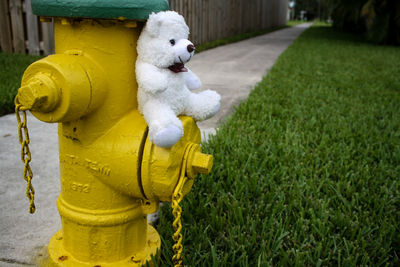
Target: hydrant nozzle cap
[(202, 163), (198, 162), (39, 93)]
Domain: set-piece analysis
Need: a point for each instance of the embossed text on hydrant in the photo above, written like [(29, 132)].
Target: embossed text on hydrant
[(87, 163), (83, 188)]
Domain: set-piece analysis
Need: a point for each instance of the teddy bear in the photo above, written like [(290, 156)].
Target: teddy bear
[(164, 82)]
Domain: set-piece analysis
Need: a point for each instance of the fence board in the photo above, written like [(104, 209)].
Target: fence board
[(33, 29), (198, 22), (48, 38), (224, 18), (204, 8), (17, 26), (189, 17), (211, 14), (214, 20), (5, 28)]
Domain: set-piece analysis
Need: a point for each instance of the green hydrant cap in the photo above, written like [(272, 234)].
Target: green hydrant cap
[(102, 9)]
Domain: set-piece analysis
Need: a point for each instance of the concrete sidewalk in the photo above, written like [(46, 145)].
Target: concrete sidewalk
[(232, 70)]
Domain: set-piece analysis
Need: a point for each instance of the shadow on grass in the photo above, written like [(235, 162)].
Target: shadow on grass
[(324, 31)]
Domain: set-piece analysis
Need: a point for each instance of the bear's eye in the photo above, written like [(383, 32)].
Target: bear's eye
[(172, 41)]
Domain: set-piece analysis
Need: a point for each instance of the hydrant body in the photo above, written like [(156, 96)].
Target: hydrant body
[(112, 176), (99, 222)]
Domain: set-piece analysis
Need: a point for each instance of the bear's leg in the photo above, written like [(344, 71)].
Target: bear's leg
[(165, 129), (203, 105)]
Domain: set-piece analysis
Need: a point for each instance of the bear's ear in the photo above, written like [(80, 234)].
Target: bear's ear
[(153, 24)]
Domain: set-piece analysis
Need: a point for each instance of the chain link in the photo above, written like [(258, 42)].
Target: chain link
[(25, 154), (177, 225), (177, 197)]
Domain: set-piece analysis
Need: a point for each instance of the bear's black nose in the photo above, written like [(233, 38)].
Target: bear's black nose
[(190, 48)]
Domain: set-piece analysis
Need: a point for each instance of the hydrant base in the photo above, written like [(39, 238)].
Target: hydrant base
[(58, 256)]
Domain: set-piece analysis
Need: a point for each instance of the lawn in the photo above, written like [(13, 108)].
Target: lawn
[(12, 67), (307, 170)]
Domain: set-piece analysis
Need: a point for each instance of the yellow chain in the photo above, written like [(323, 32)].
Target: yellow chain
[(25, 154), (177, 197), (177, 225)]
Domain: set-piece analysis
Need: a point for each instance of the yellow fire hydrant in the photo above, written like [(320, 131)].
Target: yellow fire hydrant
[(112, 176)]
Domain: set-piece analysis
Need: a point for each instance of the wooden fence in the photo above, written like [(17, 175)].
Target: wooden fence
[(22, 32), (210, 20)]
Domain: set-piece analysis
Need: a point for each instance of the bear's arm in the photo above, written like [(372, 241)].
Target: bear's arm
[(191, 79), (150, 78)]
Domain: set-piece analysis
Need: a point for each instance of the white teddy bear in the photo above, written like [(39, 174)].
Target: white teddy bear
[(164, 82)]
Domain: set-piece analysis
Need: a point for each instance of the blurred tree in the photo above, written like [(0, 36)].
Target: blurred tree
[(310, 6), (347, 15), (316, 9), (326, 9), (378, 19), (382, 20)]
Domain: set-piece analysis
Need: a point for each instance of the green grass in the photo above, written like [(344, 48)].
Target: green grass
[(307, 170), (12, 67)]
